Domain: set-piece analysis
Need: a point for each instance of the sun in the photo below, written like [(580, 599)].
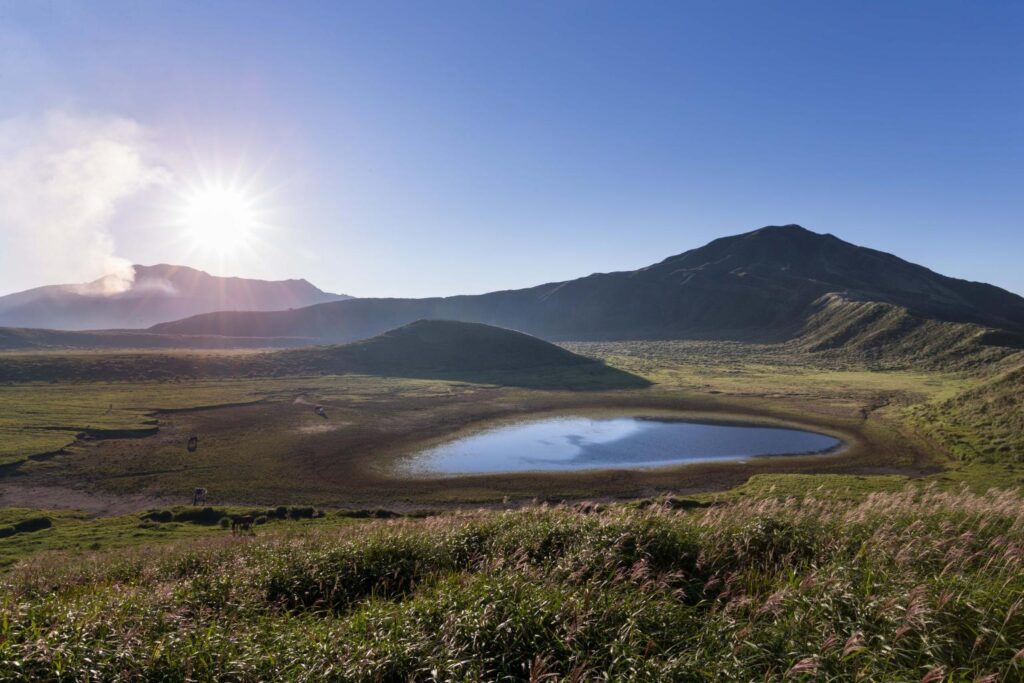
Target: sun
[(220, 218)]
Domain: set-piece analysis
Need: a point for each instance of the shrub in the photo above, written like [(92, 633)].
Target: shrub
[(225, 522), (159, 515), (261, 519), (33, 524), (301, 512), (368, 514), (206, 515)]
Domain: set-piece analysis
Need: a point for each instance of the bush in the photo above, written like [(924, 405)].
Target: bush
[(7, 530), (159, 516), (206, 515), (225, 522), (262, 519), (33, 524), (368, 514), (301, 512)]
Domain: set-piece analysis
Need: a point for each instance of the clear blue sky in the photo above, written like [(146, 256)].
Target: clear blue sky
[(430, 148)]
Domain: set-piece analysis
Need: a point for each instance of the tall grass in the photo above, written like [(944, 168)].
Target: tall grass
[(906, 586)]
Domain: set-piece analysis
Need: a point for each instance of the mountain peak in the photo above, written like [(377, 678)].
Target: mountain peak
[(158, 293), (759, 285), (791, 231)]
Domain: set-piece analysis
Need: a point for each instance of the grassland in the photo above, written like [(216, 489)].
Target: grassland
[(898, 559), (906, 586), (261, 442)]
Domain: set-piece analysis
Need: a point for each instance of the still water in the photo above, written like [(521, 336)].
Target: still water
[(582, 443)]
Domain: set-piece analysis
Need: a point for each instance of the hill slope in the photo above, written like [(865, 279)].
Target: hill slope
[(426, 348), (442, 345), (157, 294), (892, 336), (31, 339), (760, 285)]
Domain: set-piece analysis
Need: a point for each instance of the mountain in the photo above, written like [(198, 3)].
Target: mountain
[(761, 285), (156, 294)]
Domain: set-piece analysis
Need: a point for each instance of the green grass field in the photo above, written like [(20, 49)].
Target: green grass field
[(902, 586), (897, 560)]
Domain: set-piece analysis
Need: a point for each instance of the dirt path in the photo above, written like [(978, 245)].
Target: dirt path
[(66, 497)]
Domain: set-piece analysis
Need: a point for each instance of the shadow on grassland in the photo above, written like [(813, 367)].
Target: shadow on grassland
[(583, 377)]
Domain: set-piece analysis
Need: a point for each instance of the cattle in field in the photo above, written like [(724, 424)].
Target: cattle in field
[(242, 524), (193, 443), (198, 495)]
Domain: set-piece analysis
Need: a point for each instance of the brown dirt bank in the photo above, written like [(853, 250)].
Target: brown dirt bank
[(268, 452)]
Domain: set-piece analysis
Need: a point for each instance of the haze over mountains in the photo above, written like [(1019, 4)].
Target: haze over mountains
[(761, 285), (157, 294)]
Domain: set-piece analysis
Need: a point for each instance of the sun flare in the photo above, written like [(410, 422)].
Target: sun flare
[(220, 218)]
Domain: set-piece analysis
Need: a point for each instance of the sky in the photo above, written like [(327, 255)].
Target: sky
[(434, 148)]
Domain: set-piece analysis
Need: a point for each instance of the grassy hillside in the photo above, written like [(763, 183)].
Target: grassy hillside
[(25, 339), (984, 424), (422, 349), (891, 336), (900, 587), (439, 346)]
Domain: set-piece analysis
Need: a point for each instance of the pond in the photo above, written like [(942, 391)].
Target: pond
[(584, 443)]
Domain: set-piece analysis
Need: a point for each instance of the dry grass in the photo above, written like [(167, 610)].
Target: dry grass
[(909, 585)]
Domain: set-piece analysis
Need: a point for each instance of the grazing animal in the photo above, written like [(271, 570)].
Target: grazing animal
[(319, 410), (241, 524), (193, 443), (199, 495)]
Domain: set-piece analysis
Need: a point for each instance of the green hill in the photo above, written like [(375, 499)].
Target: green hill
[(425, 348), (437, 345), (983, 424), (893, 336)]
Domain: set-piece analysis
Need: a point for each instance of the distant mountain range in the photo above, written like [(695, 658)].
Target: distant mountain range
[(157, 294), (762, 285)]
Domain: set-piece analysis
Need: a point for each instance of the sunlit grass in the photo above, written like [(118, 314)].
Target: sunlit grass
[(897, 586)]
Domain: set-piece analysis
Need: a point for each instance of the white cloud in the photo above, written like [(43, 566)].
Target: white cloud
[(63, 179)]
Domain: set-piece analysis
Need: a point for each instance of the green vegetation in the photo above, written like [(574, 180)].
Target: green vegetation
[(427, 348), (26, 533), (43, 418), (898, 560), (903, 586), (262, 443), (984, 424), (882, 335)]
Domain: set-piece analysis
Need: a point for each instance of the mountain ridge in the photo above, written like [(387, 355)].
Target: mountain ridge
[(760, 285), (155, 294)]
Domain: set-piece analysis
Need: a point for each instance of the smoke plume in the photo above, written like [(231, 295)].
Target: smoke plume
[(62, 181)]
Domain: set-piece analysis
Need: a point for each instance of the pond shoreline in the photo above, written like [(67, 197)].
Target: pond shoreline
[(592, 441)]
